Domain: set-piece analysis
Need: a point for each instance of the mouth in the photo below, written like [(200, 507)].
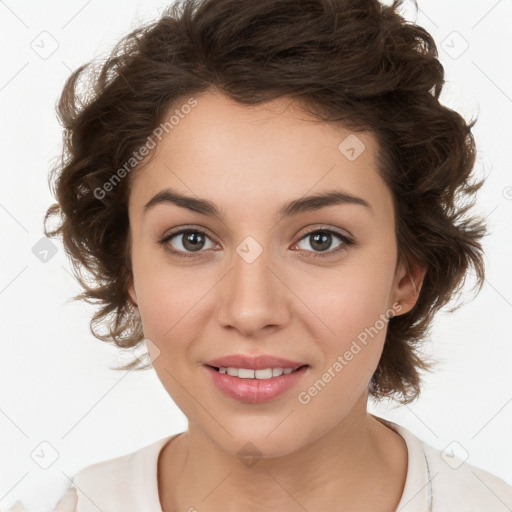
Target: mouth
[(255, 386), (258, 374)]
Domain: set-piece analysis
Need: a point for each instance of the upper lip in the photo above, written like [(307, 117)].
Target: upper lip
[(255, 362)]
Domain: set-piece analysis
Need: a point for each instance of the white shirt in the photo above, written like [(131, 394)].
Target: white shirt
[(435, 482)]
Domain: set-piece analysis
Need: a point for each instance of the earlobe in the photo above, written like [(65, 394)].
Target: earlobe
[(131, 292), (410, 280), (132, 300)]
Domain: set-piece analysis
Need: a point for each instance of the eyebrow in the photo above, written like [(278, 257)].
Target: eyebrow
[(293, 208)]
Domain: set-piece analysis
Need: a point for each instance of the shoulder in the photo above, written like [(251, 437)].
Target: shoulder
[(456, 482), (449, 483), (115, 484)]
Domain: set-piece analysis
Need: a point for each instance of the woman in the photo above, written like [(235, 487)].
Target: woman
[(269, 196)]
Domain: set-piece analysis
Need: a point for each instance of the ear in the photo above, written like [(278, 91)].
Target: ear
[(129, 281), (408, 282), (131, 292)]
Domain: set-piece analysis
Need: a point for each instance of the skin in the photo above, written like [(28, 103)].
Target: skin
[(329, 453)]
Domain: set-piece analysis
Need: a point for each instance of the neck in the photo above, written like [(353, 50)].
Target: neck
[(361, 464)]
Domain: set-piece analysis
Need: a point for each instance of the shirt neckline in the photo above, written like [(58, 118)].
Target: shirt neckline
[(417, 492), (153, 455), (416, 495)]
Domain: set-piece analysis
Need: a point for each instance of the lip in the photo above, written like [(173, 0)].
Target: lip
[(255, 391), (255, 362)]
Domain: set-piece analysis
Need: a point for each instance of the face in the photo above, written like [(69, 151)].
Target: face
[(313, 284)]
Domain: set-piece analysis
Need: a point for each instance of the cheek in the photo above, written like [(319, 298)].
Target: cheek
[(171, 312), (352, 310), (350, 302), (165, 291), (170, 304), (356, 317)]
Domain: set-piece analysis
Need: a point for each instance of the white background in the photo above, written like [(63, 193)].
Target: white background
[(56, 385)]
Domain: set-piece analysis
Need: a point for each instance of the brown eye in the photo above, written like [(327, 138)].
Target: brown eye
[(187, 241), (192, 240), (321, 240)]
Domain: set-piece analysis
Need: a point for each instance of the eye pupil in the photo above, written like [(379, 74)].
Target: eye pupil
[(193, 241), (319, 240)]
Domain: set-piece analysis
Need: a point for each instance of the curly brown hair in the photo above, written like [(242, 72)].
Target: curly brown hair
[(353, 62)]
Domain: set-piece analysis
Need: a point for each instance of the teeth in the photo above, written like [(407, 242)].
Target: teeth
[(245, 373), (248, 373)]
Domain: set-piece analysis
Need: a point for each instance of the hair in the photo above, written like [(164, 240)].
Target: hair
[(357, 63)]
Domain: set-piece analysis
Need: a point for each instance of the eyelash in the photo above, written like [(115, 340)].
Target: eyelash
[(347, 241)]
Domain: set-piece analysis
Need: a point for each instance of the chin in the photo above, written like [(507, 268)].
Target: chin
[(263, 439), (261, 447)]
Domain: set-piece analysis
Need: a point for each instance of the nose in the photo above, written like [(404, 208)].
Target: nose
[(253, 297)]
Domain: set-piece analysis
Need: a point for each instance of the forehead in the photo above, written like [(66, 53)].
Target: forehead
[(259, 154)]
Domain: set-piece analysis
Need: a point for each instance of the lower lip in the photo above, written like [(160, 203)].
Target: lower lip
[(255, 390)]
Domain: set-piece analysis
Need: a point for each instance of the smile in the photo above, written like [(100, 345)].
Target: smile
[(255, 385), (249, 373)]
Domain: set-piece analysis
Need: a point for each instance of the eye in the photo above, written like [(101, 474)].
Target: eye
[(320, 240), (188, 241), (192, 240)]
